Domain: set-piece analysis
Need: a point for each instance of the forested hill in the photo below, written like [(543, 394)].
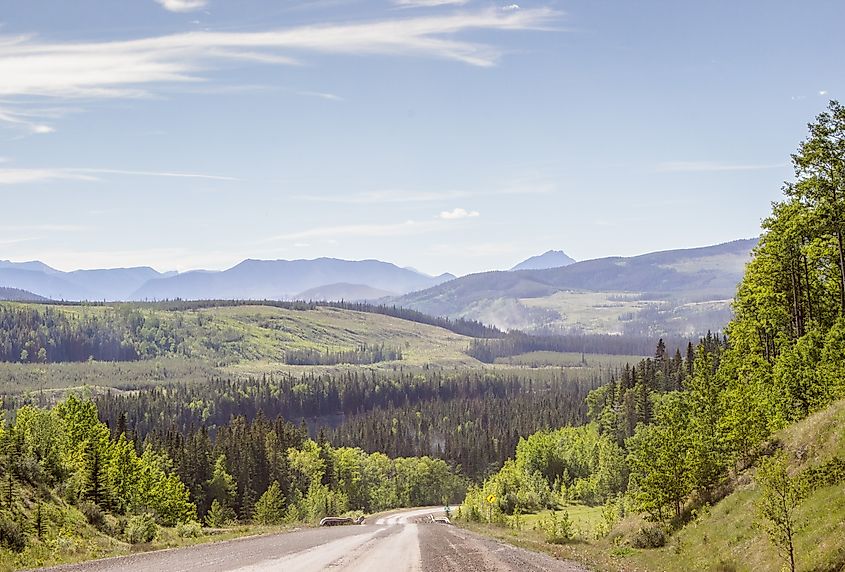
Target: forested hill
[(228, 332), (671, 292), (18, 295)]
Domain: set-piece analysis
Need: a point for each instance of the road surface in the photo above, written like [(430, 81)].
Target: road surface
[(401, 542)]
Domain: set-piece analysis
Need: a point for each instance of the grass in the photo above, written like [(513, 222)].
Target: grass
[(727, 536)]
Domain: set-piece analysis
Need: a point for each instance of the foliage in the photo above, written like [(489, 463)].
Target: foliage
[(141, 529), (270, 508), (557, 529), (191, 529), (781, 495), (219, 515)]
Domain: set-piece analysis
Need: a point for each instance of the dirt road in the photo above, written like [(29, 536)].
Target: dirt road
[(401, 542)]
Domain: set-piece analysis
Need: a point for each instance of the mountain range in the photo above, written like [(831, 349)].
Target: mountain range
[(674, 292), (251, 279)]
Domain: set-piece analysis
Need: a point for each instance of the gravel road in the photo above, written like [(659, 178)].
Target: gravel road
[(400, 542)]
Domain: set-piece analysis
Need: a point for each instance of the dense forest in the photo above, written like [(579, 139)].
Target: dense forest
[(516, 343), (470, 419), (678, 428), (61, 462), (48, 335)]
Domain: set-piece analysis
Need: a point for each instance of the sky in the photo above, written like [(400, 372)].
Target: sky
[(446, 135)]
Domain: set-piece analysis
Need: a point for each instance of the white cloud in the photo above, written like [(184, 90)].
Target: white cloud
[(823, 92), (404, 196), (428, 3), (406, 228), (183, 5), (510, 7), (711, 167), (32, 68), (458, 213), (153, 174), (321, 95), (21, 176)]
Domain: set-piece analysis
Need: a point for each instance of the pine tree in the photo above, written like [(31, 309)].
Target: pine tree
[(270, 508)]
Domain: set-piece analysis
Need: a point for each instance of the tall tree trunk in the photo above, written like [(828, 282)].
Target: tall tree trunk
[(809, 293), (838, 227)]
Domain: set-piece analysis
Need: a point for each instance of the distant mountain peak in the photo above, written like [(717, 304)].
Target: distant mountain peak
[(549, 259)]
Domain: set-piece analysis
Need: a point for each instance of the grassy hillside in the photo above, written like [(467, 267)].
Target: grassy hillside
[(243, 339), (725, 537)]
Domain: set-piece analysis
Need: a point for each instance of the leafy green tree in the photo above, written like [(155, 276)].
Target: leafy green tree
[(707, 453), (660, 476), (221, 487), (780, 497), (270, 508), (219, 515)]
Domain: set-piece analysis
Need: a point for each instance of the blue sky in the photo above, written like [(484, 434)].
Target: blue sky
[(447, 135)]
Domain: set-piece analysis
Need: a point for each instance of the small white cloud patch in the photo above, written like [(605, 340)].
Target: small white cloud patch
[(510, 7), (182, 5), (823, 92), (458, 213)]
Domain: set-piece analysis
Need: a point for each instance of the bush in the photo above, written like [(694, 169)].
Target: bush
[(114, 526), (649, 537), (141, 529), (558, 530), (191, 529), (12, 535), (93, 514), (219, 515)]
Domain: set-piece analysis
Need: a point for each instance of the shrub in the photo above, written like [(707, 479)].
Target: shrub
[(219, 515), (649, 537), (12, 535), (190, 529), (141, 529), (92, 513), (558, 530)]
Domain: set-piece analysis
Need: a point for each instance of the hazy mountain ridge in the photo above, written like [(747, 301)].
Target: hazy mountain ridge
[(251, 279)]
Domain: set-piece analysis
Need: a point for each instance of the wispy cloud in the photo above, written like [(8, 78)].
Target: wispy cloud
[(408, 227), (31, 67), (428, 3), (406, 196), (457, 213), (384, 197), (153, 174), (183, 5), (22, 176), (47, 228), (320, 95), (712, 167), (823, 92)]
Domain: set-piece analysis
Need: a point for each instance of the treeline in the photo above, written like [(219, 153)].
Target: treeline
[(46, 335), (228, 473), (687, 425), (471, 419), (61, 462), (477, 432), (516, 343), (362, 355), (462, 326)]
